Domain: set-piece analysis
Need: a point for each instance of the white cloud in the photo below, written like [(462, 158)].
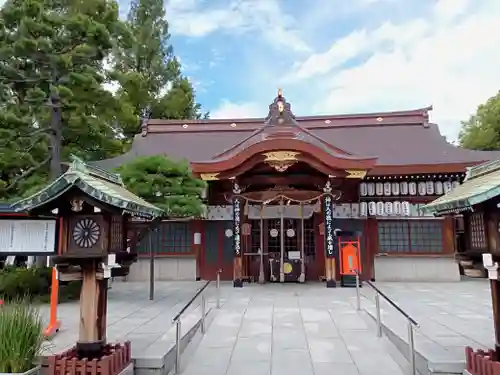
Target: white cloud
[(449, 59), (238, 110), (265, 17)]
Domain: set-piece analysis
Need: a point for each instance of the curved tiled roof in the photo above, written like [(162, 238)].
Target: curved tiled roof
[(401, 138)]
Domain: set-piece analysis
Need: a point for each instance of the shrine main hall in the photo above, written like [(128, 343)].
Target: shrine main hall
[(296, 199)]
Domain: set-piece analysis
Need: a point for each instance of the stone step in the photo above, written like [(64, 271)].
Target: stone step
[(159, 357), (430, 357)]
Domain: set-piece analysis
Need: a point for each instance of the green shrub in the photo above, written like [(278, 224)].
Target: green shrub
[(35, 284), (21, 333)]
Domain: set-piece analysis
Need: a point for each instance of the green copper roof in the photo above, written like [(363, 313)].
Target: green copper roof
[(97, 183), (481, 183)]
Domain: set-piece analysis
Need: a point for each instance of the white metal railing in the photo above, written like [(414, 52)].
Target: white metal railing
[(177, 319), (412, 323)]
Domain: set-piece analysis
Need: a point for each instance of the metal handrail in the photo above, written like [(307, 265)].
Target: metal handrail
[(187, 305), (177, 319), (390, 301), (411, 322)]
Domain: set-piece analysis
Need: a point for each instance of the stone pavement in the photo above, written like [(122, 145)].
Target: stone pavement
[(290, 329), (131, 315), (451, 316)]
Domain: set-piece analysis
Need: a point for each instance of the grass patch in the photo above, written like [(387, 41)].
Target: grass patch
[(21, 336)]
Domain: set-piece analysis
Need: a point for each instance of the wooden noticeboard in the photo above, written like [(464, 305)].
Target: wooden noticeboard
[(23, 236)]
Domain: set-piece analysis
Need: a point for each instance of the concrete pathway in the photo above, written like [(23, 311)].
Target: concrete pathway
[(131, 315), (291, 329), (451, 316), (454, 314)]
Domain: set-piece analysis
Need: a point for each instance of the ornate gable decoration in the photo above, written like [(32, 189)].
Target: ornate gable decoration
[(281, 160), (280, 112)]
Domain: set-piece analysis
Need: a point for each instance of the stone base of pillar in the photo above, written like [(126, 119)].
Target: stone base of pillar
[(238, 283), (331, 283)]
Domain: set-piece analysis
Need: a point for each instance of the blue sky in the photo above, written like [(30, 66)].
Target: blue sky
[(339, 56)]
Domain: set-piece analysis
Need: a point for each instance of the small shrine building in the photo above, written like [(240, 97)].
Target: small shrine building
[(282, 188)]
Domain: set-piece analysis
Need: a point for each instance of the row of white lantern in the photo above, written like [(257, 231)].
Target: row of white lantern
[(371, 189), (363, 209)]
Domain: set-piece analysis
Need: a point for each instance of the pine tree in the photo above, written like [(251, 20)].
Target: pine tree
[(148, 73), (51, 88)]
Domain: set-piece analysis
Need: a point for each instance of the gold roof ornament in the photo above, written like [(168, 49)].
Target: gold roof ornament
[(281, 106)]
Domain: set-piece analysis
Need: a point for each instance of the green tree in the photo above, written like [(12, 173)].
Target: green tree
[(53, 102), (482, 130), (165, 183), (148, 73)]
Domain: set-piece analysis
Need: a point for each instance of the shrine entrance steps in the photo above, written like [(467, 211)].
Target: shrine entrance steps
[(287, 329)]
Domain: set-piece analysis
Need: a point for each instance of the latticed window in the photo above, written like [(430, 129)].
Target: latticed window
[(477, 231), (117, 233), (170, 238), (413, 236)]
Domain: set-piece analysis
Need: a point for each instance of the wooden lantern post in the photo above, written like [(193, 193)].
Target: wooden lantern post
[(95, 208)]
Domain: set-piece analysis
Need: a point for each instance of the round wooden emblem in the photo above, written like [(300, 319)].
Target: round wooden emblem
[(86, 233)]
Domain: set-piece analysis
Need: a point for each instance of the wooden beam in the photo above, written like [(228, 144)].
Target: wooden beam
[(266, 179), (70, 276)]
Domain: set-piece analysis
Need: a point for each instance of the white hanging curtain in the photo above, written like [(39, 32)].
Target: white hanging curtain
[(289, 211)]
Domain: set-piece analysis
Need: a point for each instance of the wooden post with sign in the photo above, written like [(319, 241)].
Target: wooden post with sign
[(237, 248), (330, 253)]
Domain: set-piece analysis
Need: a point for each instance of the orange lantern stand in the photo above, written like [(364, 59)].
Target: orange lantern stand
[(350, 259)]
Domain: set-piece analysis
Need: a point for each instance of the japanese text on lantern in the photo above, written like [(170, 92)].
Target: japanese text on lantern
[(328, 226), (237, 239)]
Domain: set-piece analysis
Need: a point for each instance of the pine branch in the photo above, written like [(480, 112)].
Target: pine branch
[(43, 132), (27, 173)]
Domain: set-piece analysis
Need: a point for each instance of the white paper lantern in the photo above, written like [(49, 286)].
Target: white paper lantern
[(371, 189), (397, 208), (438, 187), (363, 209), (355, 210), (429, 188), (388, 208), (455, 184), (412, 188), (337, 211), (446, 186), (387, 188), (405, 208), (372, 208), (403, 187), (395, 188), (421, 188), (363, 189), (380, 209), (379, 188)]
